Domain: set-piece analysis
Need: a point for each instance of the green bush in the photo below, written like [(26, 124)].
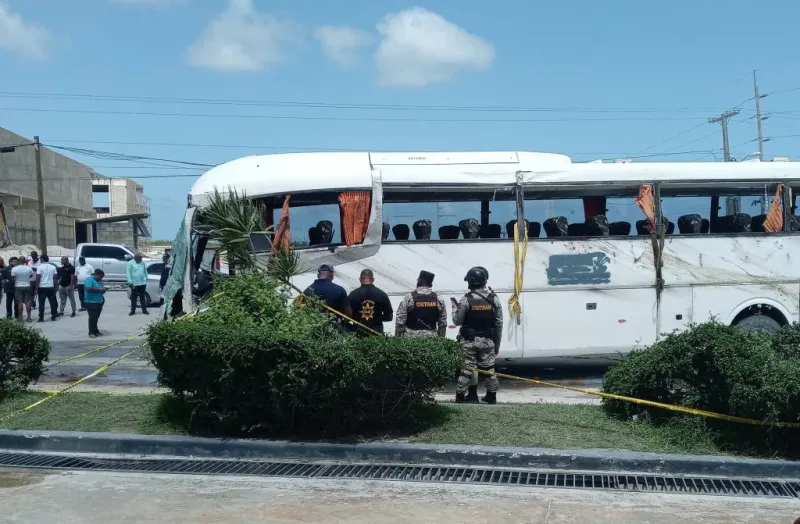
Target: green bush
[(23, 351), (715, 368), (250, 364)]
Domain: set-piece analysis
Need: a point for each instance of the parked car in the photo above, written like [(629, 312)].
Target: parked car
[(152, 294), (111, 258)]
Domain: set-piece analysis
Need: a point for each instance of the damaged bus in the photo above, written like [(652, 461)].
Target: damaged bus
[(608, 256)]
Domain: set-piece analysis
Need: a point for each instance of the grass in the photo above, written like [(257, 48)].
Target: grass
[(90, 412), (533, 425)]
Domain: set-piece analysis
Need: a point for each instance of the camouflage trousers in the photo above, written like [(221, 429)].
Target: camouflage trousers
[(478, 353), (419, 333)]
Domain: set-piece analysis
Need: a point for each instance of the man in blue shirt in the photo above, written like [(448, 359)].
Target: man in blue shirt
[(93, 299), (137, 281), (333, 295)]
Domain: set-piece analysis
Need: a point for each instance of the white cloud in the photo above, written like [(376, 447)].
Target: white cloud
[(420, 47), (17, 36), (341, 44), (243, 39)]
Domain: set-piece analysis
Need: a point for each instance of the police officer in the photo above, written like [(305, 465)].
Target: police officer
[(480, 315), (370, 305), (332, 295), (487, 277), (422, 312)]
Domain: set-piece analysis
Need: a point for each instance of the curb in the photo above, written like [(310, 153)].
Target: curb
[(540, 458)]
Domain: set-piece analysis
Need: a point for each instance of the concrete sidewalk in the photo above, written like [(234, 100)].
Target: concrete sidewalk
[(102, 497)]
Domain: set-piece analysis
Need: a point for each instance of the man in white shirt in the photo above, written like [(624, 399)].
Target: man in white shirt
[(82, 270), (21, 276), (46, 284)]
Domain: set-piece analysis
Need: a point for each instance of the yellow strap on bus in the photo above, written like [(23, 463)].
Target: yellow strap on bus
[(514, 306)]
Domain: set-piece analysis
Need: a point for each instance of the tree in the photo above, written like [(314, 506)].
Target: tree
[(232, 221)]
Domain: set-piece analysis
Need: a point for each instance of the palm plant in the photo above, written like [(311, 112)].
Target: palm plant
[(232, 221)]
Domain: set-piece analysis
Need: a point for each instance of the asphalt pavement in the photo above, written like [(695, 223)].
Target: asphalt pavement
[(69, 337), (43, 496)]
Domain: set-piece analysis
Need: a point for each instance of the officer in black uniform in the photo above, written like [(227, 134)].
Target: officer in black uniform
[(370, 305), (480, 315)]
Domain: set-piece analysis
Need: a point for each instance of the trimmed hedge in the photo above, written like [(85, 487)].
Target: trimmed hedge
[(23, 351), (250, 364), (721, 369)]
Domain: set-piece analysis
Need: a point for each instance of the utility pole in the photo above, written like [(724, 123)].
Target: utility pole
[(732, 205), (37, 153), (759, 119)]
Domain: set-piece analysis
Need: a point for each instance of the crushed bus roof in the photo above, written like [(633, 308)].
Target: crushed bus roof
[(276, 174)]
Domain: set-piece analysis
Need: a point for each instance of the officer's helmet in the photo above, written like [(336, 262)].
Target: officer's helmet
[(484, 270), (476, 277)]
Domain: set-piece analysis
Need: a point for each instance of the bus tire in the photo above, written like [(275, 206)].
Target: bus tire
[(759, 324)]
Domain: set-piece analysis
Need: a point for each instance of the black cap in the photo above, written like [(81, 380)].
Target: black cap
[(426, 276), (325, 267)]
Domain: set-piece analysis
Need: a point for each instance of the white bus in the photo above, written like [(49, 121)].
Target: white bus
[(585, 290)]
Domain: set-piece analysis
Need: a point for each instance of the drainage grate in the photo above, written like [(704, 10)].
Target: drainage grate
[(412, 473)]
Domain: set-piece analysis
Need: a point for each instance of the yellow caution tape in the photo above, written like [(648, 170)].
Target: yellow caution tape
[(622, 398), (101, 348), (643, 402), (54, 394)]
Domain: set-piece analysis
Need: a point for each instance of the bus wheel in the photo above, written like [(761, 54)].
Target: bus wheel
[(759, 324)]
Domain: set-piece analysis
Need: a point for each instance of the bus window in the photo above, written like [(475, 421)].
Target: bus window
[(409, 217), (688, 215), (738, 211), (314, 218), (574, 217)]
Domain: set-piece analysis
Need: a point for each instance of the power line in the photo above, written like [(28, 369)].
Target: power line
[(124, 157), (303, 148), (196, 175), (673, 137), (342, 119), (335, 105)]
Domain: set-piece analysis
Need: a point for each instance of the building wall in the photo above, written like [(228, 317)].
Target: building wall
[(116, 233), (67, 193), (66, 181), (23, 227)]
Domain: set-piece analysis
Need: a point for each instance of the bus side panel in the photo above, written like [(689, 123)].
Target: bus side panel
[(741, 259), (676, 309), (724, 302), (589, 321), (589, 296)]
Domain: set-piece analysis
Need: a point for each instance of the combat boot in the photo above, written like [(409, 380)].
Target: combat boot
[(472, 395), (460, 398), (490, 398)]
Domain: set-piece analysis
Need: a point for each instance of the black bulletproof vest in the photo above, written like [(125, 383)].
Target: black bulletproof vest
[(425, 314), (480, 315)]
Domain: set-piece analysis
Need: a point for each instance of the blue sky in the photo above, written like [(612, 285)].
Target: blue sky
[(676, 63)]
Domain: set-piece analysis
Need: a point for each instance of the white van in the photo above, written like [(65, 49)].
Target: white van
[(111, 258)]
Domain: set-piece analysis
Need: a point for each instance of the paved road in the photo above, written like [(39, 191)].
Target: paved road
[(33, 497), (69, 337)]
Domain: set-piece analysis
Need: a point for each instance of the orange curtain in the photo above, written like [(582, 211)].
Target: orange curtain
[(354, 207), (774, 221), (647, 204), (282, 238)]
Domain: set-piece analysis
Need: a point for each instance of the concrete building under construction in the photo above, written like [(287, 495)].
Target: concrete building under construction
[(67, 192), (69, 188)]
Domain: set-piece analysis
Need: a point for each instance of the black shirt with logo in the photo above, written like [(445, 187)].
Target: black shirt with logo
[(371, 307), (65, 274)]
